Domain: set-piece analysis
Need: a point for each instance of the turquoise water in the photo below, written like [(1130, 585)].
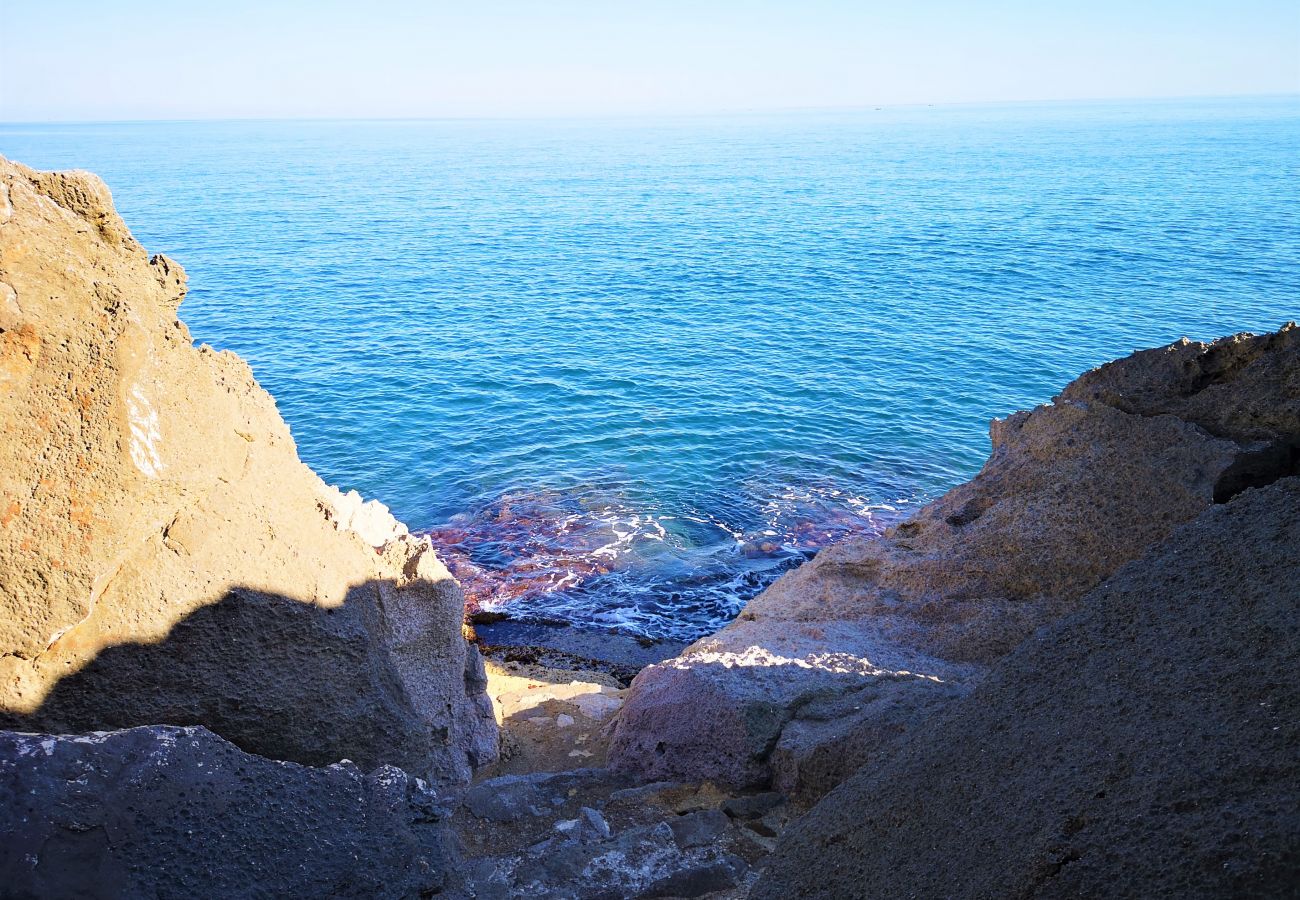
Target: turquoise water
[(629, 370)]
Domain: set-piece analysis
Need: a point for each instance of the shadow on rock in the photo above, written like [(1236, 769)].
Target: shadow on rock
[(178, 812), (292, 681)]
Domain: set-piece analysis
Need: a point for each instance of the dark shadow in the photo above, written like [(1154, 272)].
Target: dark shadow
[(287, 679), (1258, 468)]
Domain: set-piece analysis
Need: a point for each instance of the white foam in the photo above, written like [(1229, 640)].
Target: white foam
[(754, 655)]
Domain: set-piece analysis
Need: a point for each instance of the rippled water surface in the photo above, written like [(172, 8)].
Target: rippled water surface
[(627, 371)]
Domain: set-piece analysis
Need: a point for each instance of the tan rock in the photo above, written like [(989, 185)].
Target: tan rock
[(164, 555), (1143, 746), (829, 666), (551, 719)]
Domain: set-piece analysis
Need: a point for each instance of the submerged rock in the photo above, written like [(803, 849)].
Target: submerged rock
[(164, 555), (827, 669), (1144, 746), (178, 812)]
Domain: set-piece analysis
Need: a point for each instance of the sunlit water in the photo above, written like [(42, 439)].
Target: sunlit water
[(628, 371)]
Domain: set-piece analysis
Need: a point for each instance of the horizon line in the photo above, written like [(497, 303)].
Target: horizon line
[(662, 114)]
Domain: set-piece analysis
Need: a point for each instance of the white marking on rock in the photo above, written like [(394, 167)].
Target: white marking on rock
[(9, 301), (146, 433)]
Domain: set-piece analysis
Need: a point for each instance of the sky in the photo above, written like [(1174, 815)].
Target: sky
[(78, 60)]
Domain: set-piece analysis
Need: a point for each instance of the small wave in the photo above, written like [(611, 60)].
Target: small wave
[(596, 559)]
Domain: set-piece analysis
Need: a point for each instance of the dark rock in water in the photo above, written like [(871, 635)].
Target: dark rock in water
[(620, 655), (761, 549), (162, 811), (1144, 746)]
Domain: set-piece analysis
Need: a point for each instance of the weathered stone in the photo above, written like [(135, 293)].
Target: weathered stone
[(588, 826), (644, 861), (1242, 387), (165, 557), (177, 812), (912, 620), (834, 737), (752, 806), (505, 799), (1144, 746), (697, 880), (591, 834), (699, 829)]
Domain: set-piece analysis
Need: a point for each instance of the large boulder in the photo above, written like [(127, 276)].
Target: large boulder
[(177, 812), (1144, 746), (830, 666), (164, 555)]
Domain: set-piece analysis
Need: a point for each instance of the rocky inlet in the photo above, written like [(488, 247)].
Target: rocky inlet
[(1077, 674)]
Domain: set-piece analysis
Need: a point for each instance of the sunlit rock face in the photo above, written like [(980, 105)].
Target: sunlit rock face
[(824, 671), (1143, 746), (164, 555)]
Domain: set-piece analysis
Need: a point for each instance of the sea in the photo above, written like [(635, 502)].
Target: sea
[(626, 372)]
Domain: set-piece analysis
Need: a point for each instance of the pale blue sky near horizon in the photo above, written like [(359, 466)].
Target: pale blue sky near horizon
[(87, 60)]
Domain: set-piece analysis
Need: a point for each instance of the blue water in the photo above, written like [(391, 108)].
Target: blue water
[(674, 356)]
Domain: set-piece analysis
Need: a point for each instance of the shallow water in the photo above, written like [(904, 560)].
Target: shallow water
[(629, 370)]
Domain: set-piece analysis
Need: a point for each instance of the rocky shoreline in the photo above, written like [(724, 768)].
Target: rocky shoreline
[(829, 667), (1074, 675)]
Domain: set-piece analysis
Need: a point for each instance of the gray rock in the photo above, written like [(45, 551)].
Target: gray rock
[(654, 853), (594, 823), (1144, 746), (699, 829), (505, 799), (588, 826), (178, 812), (752, 806), (831, 738), (698, 880)]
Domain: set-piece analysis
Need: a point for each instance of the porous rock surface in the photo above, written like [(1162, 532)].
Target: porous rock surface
[(163, 811), (165, 558), (1143, 746), (827, 669)]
